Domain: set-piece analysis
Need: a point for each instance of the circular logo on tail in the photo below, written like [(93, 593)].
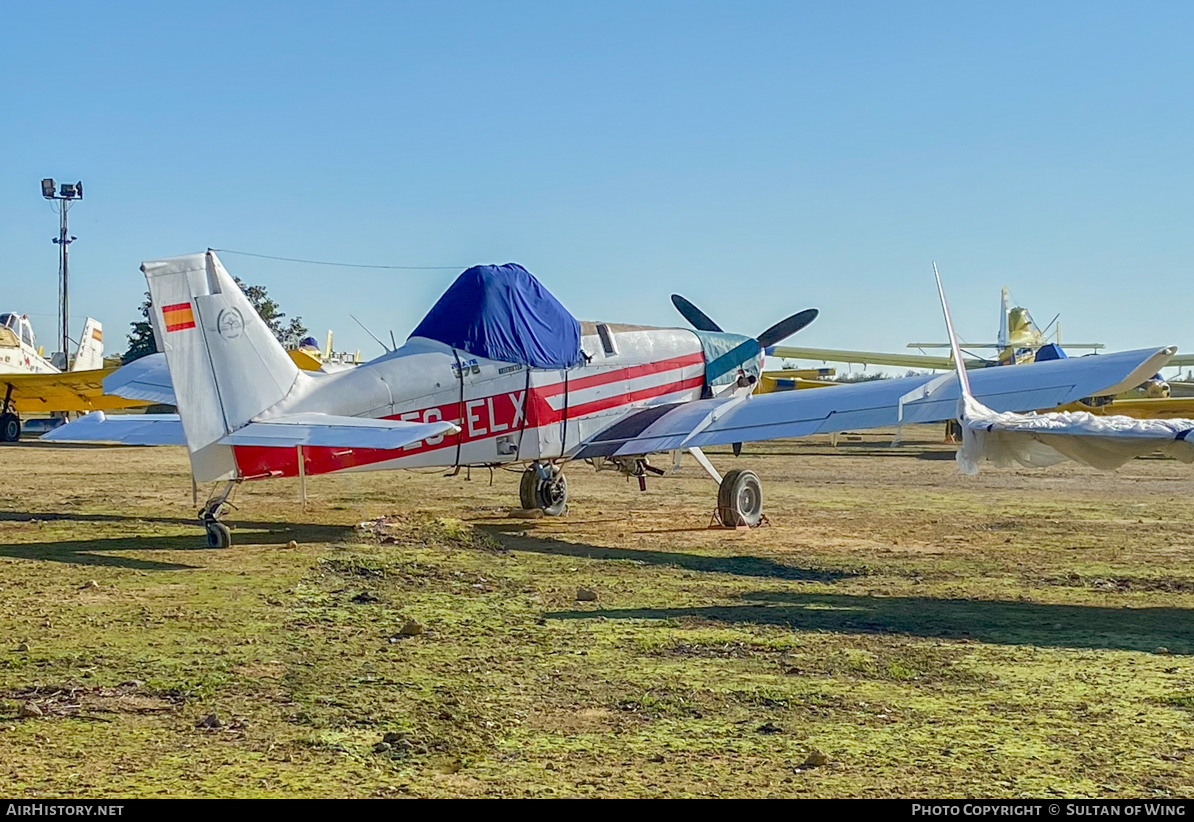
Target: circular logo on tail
[(230, 324)]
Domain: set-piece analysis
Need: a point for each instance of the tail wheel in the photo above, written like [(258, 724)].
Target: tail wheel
[(740, 498), (10, 428), (550, 495)]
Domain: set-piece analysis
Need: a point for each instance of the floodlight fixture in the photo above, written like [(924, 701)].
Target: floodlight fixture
[(47, 188)]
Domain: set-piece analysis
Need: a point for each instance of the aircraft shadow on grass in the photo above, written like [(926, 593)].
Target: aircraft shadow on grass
[(94, 551), (513, 538), (1000, 622)]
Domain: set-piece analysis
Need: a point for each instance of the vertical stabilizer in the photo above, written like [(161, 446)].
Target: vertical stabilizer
[(90, 353), (1004, 338), (224, 361)]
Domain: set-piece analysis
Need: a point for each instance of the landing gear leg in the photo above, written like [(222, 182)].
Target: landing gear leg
[(545, 487), (218, 534)]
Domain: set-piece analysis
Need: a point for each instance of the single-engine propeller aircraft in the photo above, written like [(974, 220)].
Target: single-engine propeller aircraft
[(498, 373)]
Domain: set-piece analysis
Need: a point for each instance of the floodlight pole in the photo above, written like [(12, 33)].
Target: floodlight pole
[(64, 195), (63, 246)]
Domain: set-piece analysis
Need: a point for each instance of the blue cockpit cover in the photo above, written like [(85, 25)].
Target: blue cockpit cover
[(503, 313)]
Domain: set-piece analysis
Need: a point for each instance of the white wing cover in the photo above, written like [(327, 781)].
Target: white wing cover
[(1040, 440)]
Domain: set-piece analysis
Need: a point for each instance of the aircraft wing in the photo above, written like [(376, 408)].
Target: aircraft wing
[(126, 429), (1182, 360), (278, 432), (1039, 440), (871, 358), (875, 404), (70, 391), (147, 378)]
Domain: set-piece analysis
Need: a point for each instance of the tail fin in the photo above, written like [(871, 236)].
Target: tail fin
[(224, 361), (1004, 338), (90, 353)]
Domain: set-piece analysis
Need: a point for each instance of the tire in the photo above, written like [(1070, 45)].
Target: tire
[(740, 498), (526, 488), (218, 535), (550, 497), (10, 428)]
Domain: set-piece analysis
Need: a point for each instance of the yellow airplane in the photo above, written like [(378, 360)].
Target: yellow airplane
[(791, 378), (1019, 341), (49, 391)]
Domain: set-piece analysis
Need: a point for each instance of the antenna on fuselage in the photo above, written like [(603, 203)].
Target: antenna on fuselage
[(963, 377), (374, 336)]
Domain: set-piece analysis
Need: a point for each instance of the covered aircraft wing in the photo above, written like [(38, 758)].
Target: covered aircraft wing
[(126, 429), (875, 404), (870, 357), (1039, 440), (336, 432), (72, 391)]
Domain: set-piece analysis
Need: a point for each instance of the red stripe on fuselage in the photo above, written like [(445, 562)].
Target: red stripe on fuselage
[(629, 372), (482, 418)]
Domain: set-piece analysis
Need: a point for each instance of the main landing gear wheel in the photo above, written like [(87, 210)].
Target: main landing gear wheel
[(740, 499), (549, 495), (218, 535), (10, 428)]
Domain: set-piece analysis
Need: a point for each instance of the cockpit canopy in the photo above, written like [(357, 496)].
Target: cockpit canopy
[(19, 325)]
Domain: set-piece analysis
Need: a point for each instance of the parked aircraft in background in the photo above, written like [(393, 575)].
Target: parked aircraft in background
[(33, 384), (499, 373), (1019, 340)]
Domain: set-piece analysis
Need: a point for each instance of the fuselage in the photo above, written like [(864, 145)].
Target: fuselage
[(507, 412)]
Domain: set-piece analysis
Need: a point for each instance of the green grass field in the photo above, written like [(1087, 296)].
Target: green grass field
[(1016, 634)]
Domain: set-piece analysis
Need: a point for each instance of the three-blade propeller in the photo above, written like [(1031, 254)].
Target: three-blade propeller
[(772, 336)]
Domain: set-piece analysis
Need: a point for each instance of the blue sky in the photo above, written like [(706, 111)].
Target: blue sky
[(757, 157)]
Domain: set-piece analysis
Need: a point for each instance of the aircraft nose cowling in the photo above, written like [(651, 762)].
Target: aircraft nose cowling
[(728, 354)]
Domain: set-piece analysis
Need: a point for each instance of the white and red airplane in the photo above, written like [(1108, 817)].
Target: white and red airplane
[(500, 373)]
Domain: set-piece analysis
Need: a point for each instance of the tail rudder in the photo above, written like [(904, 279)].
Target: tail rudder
[(225, 363), (90, 353)]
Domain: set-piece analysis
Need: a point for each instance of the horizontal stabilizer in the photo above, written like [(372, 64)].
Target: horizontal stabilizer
[(126, 429), (147, 378), (336, 432)]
